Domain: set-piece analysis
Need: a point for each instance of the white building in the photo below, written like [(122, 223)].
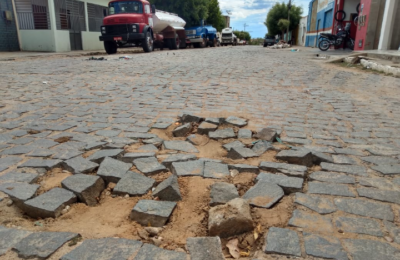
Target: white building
[(59, 25), (302, 31)]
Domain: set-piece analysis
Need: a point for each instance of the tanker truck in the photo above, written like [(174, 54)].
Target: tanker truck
[(136, 23), (202, 36)]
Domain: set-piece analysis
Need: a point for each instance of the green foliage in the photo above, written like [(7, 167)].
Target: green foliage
[(257, 41), (283, 24), (280, 11), (215, 17), (242, 35)]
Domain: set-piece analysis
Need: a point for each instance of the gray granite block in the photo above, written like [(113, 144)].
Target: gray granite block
[(365, 208), (99, 156), (148, 252), (205, 248), (381, 195), (222, 192), (168, 190), (311, 222), (350, 169), (215, 170), (41, 163), (359, 226), (182, 146), (361, 249), (282, 241), (19, 177), (264, 194), (133, 184), (151, 212), (178, 158), (244, 168), (299, 157), (288, 184), (79, 165), (190, 168), (287, 169), (10, 237), (149, 165), (129, 157), (332, 177), (316, 203), (222, 134), (237, 153), (332, 189), (323, 246), (205, 127), (19, 192), (112, 170), (86, 187)]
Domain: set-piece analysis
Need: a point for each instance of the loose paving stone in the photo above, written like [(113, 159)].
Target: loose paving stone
[(379, 183), (190, 168), (148, 252), (287, 169), (49, 204), (42, 244), (66, 154), (129, 157), (149, 165), (86, 187), (361, 249), (261, 147), (288, 184), (133, 184), (10, 237), (380, 160), (41, 163), (267, 134), (332, 177), (105, 249), (178, 158), (264, 194), (18, 150), (19, 192), (348, 151), (323, 246), (332, 189), (232, 218), (205, 127), (319, 158), (216, 170), (168, 190), (222, 192), (300, 157), (311, 222), (394, 231), (41, 152), (365, 208), (237, 153), (350, 169), (152, 213), (7, 162), (236, 121), (182, 146), (205, 248), (79, 165), (94, 145), (316, 203), (245, 134), (112, 170), (183, 130), (222, 134), (380, 150), (19, 177), (233, 144), (359, 226), (148, 148), (291, 140), (140, 135), (189, 118), (161, 125), (99, 156), (244, 168), (282, 241), (342, 159), (213, 120), (391, 169), (381, 195)]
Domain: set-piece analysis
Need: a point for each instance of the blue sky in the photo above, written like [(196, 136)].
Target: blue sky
[(253, 13)]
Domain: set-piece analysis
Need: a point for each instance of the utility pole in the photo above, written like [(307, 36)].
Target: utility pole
[(244, 26), (289, 7)]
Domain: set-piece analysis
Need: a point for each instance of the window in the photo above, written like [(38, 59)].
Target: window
[(126, 7), (147, 9), (33, 14), (70, 15), (95, 16)]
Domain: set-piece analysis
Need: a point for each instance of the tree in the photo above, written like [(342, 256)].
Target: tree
[(280, 11), (283, 24), (215, 17), (242, 35)]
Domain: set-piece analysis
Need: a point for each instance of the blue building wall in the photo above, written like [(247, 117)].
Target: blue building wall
[(323, 22), (8, 29)]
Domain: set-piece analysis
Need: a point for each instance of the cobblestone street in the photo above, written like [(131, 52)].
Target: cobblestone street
[(330, 190)]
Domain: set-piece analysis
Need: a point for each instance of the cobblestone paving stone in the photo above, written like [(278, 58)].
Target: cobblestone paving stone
[(349, 120)]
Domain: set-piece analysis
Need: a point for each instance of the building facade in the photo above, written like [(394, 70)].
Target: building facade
[(8, 27), (320, 20), (302, 31)]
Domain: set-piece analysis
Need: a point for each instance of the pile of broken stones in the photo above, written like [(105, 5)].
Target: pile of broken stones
[(229, 215)]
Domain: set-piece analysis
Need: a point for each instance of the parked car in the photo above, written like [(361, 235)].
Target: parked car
[(269, 41)]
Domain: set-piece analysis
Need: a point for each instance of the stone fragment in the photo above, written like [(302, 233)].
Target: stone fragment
[(99, 156), (348, 151), (264, 194), (299, 157), (189, 118), (86, 187), (233, 144), (79, 165), (232, 218), (94, 145), (140, 135), (282, 241), (133, 184), (222, 192), (213, 120), (287, 169), (183, 130), (365, 208), (152, 213), (42, 244), (129, 157), (323, 246), (267, 134), (19, 177), (149, 165), (291, 140), (222, 134), (148, 252), (205, 248), (350, 169), (64, 154), (381, 195), (361, 249), (19, 192), (190, 168), (7, 162), (319, 158), (10, 237), (379, 183), (147, 148), (394, 231), (215, 170), (112, 170), (316, 203), (237, 153), (288, 184), (342, 159), (178, 158), (311, 222), (244, 168), (261, 147), (182, 146), (168, 190), (359, 226), (387, 169), (161, 125), (380, 160), (49, 204), (245, 134), (41, 163), (236, 121), (332, 177), (205, 127), (104, 248), (332, 189)]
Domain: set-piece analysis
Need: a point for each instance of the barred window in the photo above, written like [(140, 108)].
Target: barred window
[(70, 15), (33, 14), (95, 16)]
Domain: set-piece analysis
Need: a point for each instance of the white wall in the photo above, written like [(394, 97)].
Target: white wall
[(91, 41), (37, 40), (63, 43), (98, 2), (302, 31), (350, 8)]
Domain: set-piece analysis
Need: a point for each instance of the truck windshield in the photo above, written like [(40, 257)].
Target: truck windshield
[(126, 7)]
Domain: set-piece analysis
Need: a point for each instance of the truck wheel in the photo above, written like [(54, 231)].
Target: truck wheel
[(110, 47), (213, 43), (203, 44), (174, 43), (148, 43), (183, 44)]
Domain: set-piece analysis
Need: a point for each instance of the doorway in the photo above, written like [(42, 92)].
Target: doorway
[(76, 20)]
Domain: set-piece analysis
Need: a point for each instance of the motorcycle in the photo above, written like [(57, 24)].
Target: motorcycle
[(343, 36)]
